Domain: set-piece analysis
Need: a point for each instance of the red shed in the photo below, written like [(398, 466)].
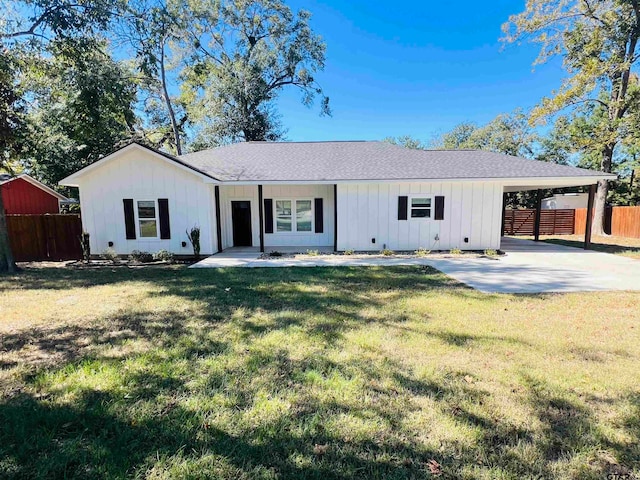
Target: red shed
[(26, 195)]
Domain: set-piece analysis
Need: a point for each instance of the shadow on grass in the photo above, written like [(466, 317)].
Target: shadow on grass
[(598, 247), (186, 405)]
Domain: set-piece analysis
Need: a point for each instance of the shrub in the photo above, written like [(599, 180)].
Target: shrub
[(163, 256), (86, 247), (349, 252), (275, 253), (141, 257), (386, 252), (455, 251), (194, 238), (489, 252), (422, 252), (111, 255), (313, 253)]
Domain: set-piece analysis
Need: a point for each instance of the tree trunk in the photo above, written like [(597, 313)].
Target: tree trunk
[(600, 207), (7, 264), (167, 100)]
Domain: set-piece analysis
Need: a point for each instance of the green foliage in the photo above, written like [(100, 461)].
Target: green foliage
[(140, 257), (248, 51), (164, 256), (387, 252), (348, 252), (490, 252), (84, 108), (111, 255), (455, 251), (194, 238), (406, 141), (275, 253), (313, 253), (422, 252)]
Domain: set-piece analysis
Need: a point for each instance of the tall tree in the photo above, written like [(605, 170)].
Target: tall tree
[(11, 125), (155, 33), (247, 52), (30, 26), (598, 41), (83, 106)]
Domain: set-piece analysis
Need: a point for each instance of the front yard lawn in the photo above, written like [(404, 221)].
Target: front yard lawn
[(628, 247), (361, 373)]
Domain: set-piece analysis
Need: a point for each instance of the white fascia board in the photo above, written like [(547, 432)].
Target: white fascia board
[(71, 180), (581, 180)]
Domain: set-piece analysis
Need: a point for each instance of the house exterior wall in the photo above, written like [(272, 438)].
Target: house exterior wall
[(22, 197), (140, 175), (370, 210), (229, 193)]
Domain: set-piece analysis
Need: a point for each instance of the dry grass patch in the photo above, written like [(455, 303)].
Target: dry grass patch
[(312, 373)]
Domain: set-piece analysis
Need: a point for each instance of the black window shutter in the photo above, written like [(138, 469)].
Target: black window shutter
[(402, 207), (439, 210), (129, 219), (163, 211), (268, 215), (319, 215)]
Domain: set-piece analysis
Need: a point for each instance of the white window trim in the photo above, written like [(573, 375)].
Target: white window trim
[(431, 209), (137, 217), (294, 216)]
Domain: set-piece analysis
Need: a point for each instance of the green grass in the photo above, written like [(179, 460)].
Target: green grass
[(394, 373), (628, 247)]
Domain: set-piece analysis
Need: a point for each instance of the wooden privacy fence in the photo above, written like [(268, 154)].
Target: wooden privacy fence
[(45, 237), (619, 221), (552, 222)]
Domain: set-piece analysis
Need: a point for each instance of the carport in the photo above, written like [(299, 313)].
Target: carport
[(552, 184)]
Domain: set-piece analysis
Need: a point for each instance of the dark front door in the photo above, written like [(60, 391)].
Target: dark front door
[(241, 217)]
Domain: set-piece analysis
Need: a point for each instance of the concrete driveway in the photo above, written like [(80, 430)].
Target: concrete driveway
[(527, 267), (536, 267)]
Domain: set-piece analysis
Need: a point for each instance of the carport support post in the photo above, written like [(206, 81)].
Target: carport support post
[(261, 215), (504, 213), (589, 220), (536, 227)]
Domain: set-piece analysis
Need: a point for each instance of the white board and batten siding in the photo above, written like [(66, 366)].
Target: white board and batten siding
[(140, 175), (369, 211), (229, 193)]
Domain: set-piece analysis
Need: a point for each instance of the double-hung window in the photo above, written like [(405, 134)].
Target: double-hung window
[(147, 218), (420, 207), (294, 216)]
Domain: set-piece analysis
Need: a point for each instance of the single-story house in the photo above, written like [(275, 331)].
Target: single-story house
[(360, 195), (569, 201), (23, 194)]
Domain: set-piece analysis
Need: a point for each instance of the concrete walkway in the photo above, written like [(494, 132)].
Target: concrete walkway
[(527, 267)]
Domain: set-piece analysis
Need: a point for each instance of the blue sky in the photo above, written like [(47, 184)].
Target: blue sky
[(415, 68)]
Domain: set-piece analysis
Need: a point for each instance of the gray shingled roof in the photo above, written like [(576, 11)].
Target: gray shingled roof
[(327, 161)]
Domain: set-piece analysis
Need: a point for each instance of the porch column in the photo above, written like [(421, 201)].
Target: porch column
[(536, 227), (218, 219), (261, 220), (589, 220), (504, 213), (335, 217)]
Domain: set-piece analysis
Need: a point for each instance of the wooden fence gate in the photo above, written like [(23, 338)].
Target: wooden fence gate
[(45, 237), (552, 222)]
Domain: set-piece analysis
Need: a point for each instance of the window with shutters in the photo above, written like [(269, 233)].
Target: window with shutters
[(294, 215), (421, 207), (147, 212)]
